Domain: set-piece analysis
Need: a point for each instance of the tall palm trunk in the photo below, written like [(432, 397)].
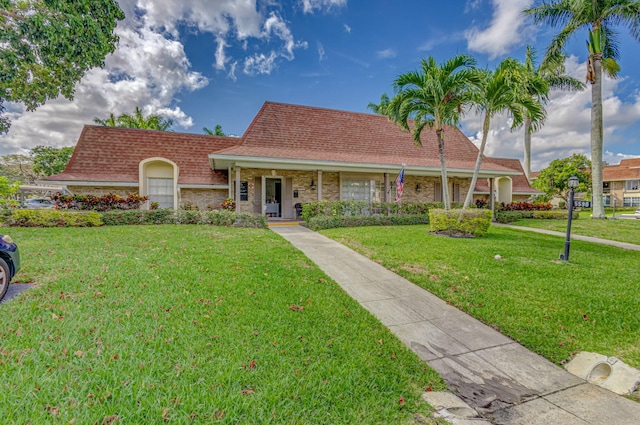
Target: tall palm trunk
[(527, 147), (443, 170), (596, 139), (476, 171)]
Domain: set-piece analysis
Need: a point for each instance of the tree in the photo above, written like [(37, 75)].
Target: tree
[(502, 90), (18, 167), (48, 160), (380, 108), (136, 120), (552, 72), (216, 132), (553, 179), (433, 97), (7, 187), (598, 17), (47, 46)]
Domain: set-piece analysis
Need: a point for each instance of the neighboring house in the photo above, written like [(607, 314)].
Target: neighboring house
[(621, 183), (289, 154)]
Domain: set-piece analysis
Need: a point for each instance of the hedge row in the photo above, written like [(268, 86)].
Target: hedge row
[(363, 208), (53, 218), (511, 216), (330, 222), (56, 218)]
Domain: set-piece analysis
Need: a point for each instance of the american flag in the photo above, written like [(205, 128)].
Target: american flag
[(399, 184)]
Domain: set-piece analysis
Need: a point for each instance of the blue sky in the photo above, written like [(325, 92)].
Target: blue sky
[(208, 62)]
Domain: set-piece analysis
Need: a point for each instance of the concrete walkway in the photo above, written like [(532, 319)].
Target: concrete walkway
[(623, 245), (500, 379)]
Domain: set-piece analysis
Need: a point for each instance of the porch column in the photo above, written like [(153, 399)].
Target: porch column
[(319, 185), (492, 202), (236, 195), (386, 187)]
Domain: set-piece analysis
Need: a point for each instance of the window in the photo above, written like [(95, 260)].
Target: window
[(437, 192), (631, 201), (364, 190), (456, 192), (605, 187), (161, 191), (607, 200), (631, 185)]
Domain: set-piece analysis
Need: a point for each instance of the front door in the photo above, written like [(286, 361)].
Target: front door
[(272, 196)]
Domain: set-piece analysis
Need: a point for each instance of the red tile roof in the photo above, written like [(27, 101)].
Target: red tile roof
[(519, 183), (310, 133), (628, 169), (113, 154)]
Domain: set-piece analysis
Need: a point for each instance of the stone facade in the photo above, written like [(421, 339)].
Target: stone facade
[(331, 186), (203, 199)]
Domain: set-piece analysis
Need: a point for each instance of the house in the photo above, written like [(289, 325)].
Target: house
[(508, 188), (621, 183), (289, 154)]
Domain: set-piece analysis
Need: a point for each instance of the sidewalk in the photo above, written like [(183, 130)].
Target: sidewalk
[(503, 381), (623, 245)]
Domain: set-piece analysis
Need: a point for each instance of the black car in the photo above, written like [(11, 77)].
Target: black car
[(9, 263)]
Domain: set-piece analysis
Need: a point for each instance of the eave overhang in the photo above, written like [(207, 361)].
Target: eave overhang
[(224, 162)]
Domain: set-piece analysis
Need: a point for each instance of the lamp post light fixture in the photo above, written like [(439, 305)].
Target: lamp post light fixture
[(573, 183)]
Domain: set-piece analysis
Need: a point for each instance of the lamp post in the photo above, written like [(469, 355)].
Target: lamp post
[(573, 182)]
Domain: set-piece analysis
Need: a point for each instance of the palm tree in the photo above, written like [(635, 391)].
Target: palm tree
[(112, 121), (434, 96), (552, 71), (216, 132), (598, 17), (380, 108), (501, 90), (137, 120)]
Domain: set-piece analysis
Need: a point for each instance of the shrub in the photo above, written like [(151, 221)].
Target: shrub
[(511, 216), (228, 204), (168, 216), (555, 215), (53, 218), (107, 202), (251, 220), (474, 222), (362, 208), (525, 206), (330, 222)]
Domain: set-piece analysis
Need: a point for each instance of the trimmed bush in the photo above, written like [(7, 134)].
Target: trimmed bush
[(468, 223), (511, 216), (53, 218), (323, 222), (168, 216), (110, 201), (362, 208)]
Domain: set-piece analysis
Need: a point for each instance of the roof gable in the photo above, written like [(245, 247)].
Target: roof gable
[(113, 154), (310, 133)]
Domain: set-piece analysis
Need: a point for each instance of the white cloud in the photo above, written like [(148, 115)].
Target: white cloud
[(347, 29), (147, 69), (308, 6), (567, 129), (507, 29), (150, 66), (386, 53)]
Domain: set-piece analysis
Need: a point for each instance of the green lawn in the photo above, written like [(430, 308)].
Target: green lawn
[(551, 307), (622, 230), (194, 324)]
